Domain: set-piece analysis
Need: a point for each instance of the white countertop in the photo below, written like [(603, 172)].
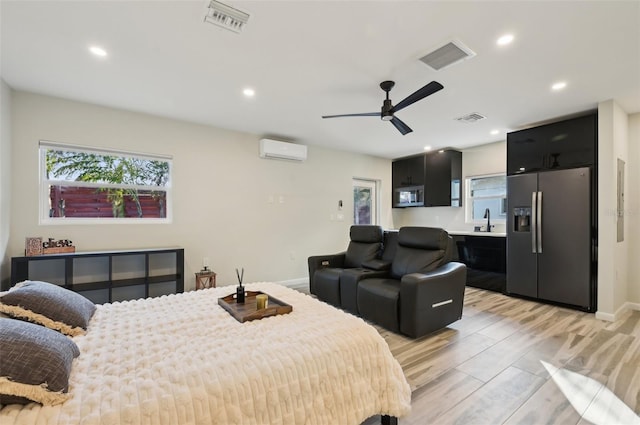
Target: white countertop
[(472, 233)]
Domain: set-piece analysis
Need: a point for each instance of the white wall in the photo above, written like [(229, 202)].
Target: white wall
[(221, 191), (632, 219), (5, 180), (476, 161), (613, 143)]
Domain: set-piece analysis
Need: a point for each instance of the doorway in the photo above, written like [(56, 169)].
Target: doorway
[(365, 201)]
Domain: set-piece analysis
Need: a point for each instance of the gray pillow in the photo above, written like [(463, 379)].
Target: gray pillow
[(49, 305), (36, 363)]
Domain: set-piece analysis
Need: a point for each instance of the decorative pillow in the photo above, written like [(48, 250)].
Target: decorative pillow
[(36, 363), (49, 305)]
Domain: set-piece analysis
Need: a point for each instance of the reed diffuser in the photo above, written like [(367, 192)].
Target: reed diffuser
[(240, 288)]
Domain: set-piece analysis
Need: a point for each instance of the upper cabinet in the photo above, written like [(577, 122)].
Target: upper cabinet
[(443, 173), (565, 144), (408, 172), (430, 180)]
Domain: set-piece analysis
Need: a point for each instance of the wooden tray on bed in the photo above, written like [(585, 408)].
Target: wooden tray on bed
[(249, 311)]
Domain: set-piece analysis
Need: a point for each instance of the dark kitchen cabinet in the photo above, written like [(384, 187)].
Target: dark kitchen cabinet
[(430, 180), (485, 258), (408, 172), (565, 144), (442, 182)]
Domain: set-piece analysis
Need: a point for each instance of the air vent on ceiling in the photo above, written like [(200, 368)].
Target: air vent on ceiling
[(469, 118), (226, 16), (452, 52)]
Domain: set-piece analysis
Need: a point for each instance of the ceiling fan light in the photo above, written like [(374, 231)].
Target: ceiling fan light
[(387, 107)]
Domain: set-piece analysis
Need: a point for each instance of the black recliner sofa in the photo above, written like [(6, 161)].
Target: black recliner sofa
[(411, 287), (328, 274)]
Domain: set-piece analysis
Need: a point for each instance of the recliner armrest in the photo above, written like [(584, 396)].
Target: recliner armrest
[(323, 261), (430, 301), (330, 260), (451, 270), (377, 264)]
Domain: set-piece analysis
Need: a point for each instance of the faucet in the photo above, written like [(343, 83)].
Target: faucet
[(487, 215)]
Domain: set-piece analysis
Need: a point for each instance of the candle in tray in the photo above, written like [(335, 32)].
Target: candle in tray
[(262, 301)]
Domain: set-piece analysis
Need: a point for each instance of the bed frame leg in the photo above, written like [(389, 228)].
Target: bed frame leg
[(389, 420)]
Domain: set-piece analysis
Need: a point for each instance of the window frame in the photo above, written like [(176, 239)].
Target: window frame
[(469, 200), (45, 183)]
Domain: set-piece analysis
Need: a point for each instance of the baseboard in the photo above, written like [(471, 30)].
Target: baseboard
[(608, 317), (619, 312), (633, 306), (294, 282)]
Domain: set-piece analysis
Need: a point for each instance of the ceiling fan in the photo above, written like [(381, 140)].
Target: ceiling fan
[(388, 110)]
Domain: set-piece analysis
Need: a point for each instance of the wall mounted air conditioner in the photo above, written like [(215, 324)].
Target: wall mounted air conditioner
[(275, 149)]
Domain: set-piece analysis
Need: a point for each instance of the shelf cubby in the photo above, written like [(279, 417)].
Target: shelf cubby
[(107, 276)]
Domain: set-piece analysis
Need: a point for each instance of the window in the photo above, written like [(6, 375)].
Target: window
[(80, 184), (487, 192), (365, 201)]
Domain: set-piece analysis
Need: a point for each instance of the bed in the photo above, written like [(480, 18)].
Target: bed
[(182, 359)]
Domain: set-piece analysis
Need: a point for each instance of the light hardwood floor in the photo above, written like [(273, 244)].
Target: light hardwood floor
[(489, 367)]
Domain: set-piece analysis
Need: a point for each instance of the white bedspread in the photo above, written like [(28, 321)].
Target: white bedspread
[(182, 359)]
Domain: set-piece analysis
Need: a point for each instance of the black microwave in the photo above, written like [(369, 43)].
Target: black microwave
[(412, 196)]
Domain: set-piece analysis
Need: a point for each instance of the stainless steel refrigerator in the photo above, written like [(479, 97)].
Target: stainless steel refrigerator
[(549, 236)]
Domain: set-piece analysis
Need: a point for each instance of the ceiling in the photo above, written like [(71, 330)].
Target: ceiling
[(306, 59)]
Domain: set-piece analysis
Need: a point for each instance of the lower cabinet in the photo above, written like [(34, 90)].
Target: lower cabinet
[(485, 258), (107, 276)]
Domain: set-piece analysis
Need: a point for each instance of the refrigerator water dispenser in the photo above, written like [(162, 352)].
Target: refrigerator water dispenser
[(522, 219)]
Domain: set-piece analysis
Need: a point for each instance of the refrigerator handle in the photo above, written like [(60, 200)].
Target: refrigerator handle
[(534, 220), (539, 223)]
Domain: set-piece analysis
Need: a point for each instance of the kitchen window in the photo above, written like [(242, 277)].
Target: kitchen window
[(87, 185), (486, 192)]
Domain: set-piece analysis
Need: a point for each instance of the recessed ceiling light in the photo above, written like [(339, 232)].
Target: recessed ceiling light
[(249, 92), (427, 148), (441, 151), (504, 40), (494, 132), (98, 51), (559, 85)]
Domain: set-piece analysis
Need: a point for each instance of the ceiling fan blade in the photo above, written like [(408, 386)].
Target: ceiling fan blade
[(365, 114), (420, 94), (400, 125)]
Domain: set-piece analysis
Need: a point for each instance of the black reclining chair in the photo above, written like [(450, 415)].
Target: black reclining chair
[(325, 270), (423, 292)]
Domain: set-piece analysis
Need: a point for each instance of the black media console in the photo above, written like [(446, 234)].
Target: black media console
[(107, 276)]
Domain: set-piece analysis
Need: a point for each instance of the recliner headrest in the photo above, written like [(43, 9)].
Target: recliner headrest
[(366, 233), (431, 238)]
